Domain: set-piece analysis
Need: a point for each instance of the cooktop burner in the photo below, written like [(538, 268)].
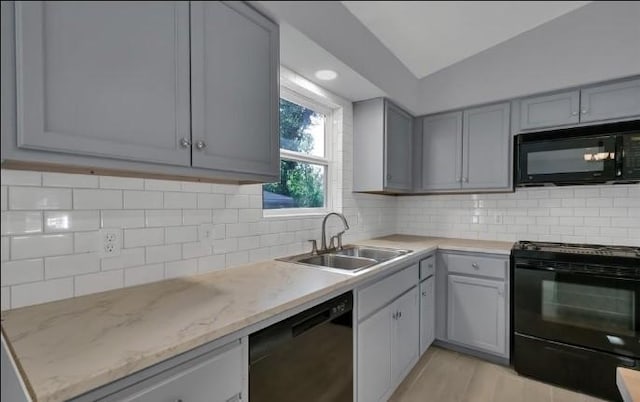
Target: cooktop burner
[(584, 249)]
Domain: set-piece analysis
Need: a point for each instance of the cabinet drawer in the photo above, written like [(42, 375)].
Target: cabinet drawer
[(380, 293), (213, 377), (428, 267), (477, 265)]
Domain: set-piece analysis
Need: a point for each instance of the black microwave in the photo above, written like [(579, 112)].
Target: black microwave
[(608, 153)]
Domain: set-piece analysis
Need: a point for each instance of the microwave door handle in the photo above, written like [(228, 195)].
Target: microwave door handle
[(619, 155)]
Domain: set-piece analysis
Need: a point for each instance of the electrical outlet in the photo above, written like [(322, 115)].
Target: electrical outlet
[(110, 242), (498, 219), (206, 233)]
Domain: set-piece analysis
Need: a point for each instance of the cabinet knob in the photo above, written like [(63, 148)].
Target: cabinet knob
[(424, 293), (430, 265), (574, 113), (585, 111), (475, 265), (185, 143), (399, 314), (466, 179), (388, 177), (201, 144)]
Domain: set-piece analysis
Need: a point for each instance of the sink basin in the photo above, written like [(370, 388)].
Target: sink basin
[(338, 261), (350, 259), (378, 254)]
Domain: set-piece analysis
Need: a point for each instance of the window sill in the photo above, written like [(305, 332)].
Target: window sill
[(294, 213)]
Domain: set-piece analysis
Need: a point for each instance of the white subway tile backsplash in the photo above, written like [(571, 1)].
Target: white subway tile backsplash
[(143, 199), (212, 263), (4, 248), (69, 180), (97, 199), (39, 198), (237, 201), (4, 202), (194, 187), (237, 258), (162, 218), (70, 265), (225, 216), (155, 254), (98, 282), (161, 185), (22, 271), (71, 221), (86, 242), (5, 298), (180, 200), (181, 234), (123, 219), (129, 257), (180, 268), (196, 216), (211, 201), (18, 223), (20, 178), (143, 274), (41, 292), (121, 183), (143, 237), (196, 249), (41, 246)]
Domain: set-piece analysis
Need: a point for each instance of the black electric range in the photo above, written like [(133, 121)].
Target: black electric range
[(575, 313)]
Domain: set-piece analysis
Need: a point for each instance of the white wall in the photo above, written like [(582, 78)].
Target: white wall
[(577, 214), (44, 261), (597, 42)]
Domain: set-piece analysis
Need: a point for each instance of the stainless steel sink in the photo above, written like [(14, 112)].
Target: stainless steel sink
[(350, 259), (378, 254), (338, 261)]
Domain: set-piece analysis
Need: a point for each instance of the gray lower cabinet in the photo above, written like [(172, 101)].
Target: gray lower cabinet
[(476, 314), (427, 313), (611, 101), (234, 88), (382, 147), (469, 150), (107, 80), (214, 376), (603, 102), (472, 302), (387, 334), (550, 110)]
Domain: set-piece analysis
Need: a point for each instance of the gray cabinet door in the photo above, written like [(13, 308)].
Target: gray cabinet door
[(398, 140), (486, 161), (406, 340), (427, 313), (476, 313), (612, 101), (550, 110), (374, 356), (234, 88), (109, 79), (441, 151)]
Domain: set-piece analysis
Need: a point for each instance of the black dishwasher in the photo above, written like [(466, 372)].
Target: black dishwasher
[(307, 357)]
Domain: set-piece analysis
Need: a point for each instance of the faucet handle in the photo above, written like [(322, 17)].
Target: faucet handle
[(339, 237), (314, 246), (332, 244)]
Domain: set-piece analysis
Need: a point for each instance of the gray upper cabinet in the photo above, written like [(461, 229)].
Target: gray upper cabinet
[(550, 110), (104, 79), (615, 101), (441, 152), (486, 148), (612, 101), (398, 139), (467, 150), (382, 147), (234, 88)]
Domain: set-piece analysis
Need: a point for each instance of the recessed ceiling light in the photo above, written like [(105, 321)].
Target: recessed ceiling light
[(326, 75)]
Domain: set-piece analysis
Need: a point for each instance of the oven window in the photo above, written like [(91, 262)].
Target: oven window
[(571, 160), (593, 307)]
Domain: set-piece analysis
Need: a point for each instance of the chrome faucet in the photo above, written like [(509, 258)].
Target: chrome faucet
[(323, 247)]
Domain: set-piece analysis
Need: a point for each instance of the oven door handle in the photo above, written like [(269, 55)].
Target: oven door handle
[(537, 268)]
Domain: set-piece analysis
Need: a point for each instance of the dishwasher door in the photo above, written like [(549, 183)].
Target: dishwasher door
[(308, 357)]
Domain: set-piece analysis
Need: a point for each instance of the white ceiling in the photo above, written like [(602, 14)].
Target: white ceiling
[(428, 36)]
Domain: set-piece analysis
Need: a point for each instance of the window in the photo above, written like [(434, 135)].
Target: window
[(304, 158)]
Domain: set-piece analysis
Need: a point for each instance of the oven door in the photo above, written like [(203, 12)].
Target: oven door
[(580, 309), (566, 161)]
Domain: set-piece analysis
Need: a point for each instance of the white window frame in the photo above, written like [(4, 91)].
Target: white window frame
[(297, 98)]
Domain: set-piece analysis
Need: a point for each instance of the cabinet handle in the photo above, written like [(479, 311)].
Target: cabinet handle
[(585, 111), (475, 265), (185, 143), (399, 314), (201, 144), (424, 293)]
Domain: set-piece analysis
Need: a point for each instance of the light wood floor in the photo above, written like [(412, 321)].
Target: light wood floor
[(445, 376)]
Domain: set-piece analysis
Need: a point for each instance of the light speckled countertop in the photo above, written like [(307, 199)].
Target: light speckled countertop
[(72, 346)]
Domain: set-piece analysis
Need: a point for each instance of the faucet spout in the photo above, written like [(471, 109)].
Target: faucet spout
[(323, 246)]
